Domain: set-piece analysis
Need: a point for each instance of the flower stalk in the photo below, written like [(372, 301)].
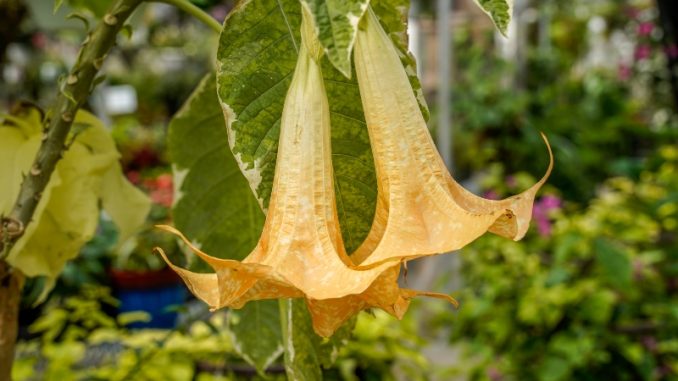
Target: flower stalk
[(194, 11)]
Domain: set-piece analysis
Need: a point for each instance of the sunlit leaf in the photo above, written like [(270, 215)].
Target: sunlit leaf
[(68, 212), (215, 206), (336, 24), (499, 10), (257, 54)]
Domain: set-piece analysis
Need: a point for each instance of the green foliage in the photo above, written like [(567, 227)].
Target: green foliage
[(76, 339), (595, 127), (89, 175), (257, 333), (213, 204), (252, 81), (336, 24), (79, 341), (301, 358), (596, 300), (96, 7), (382, 348), (500, 12), (215, 207), (256, 328)]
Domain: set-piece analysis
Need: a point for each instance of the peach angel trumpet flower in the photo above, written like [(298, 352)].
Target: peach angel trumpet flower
[(300, 253), (421, 209)]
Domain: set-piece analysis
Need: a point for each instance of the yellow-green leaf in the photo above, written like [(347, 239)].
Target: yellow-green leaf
[(68, 212)]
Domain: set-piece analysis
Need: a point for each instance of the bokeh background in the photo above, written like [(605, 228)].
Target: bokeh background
[(590, 294)]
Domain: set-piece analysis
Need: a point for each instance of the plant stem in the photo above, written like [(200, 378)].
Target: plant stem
[(57, 125), (194, 11)]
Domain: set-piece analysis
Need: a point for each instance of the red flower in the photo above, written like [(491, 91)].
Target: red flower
[(134, 177)]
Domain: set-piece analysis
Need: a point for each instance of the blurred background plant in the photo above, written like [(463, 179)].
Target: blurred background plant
[(590, 294)]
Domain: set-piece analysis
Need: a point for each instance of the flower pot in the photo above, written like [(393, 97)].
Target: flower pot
[(153, 292)]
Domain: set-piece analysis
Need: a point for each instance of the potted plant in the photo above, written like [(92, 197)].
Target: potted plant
[(141, 280)]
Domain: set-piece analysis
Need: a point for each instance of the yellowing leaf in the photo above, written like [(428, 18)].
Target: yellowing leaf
[(11, 141), (68, 212), (421, 209), (125, 204)]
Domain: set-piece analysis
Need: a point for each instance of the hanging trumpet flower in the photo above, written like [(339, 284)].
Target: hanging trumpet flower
[(300, 252), (421, 209)]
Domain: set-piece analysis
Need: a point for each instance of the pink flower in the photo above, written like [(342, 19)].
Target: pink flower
[(541, 212), (550, 202), (494, 374), (491, 195), (645, 29), (642, 52), (219, 12), (511, 181), (650, 343), (624, 72), (632, 12)]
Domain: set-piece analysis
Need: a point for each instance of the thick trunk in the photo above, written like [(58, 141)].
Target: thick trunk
[(11, 282)]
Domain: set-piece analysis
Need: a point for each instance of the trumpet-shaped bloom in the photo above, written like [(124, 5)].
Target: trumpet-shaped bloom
[(421, 209), (300, 252)]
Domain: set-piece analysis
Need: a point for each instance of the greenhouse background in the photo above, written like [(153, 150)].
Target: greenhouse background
[(591, 293)]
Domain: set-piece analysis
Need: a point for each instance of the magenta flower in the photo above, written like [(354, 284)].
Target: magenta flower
[(624, 72), (541, 211), (491, 195), (645, 29), (551, 202), (642, 52), (494, 374)]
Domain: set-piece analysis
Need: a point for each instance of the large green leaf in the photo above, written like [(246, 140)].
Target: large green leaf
[(500, 12), (215, 207), (256, 333), (213, 204), (301, 356), (68, 211), (256, 57), (336, 24)]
